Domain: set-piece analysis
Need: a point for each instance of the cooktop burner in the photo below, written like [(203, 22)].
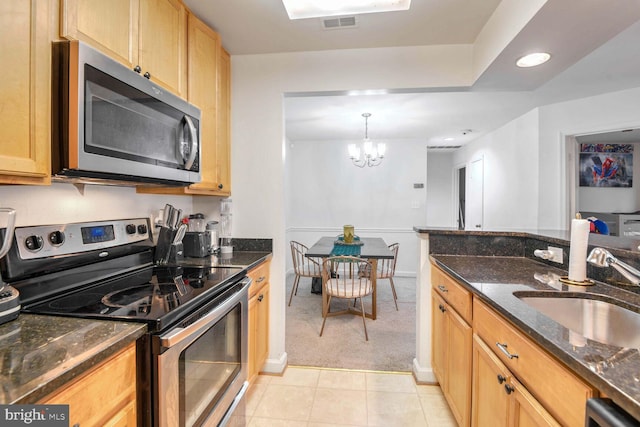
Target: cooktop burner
[(155, 295)]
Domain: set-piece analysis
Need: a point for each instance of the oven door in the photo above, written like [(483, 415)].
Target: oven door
[(202, 366)]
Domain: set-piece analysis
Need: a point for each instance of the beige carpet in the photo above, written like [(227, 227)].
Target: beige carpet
[(392, 336)]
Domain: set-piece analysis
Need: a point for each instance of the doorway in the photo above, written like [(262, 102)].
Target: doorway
[(461, 196)]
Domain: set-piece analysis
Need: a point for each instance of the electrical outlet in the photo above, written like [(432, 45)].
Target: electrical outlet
[(557, 254)]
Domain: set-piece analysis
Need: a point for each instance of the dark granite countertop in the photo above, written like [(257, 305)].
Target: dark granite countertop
[(39, 354), (241, 259), (615, 371)]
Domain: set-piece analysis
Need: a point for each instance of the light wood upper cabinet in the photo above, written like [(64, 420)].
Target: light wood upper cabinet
[(223, 142), (151, 34), (25, 135), (209, 89)]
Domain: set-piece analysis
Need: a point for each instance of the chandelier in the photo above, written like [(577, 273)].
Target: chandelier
[(372, 155)]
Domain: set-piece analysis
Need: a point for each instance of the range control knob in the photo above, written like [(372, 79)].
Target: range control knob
[(34, 243), (56, 238), (130, 228), (142, 229)]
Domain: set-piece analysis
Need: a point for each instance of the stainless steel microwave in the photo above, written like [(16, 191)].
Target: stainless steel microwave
[(112, 125)]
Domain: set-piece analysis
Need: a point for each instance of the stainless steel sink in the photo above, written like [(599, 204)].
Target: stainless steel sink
[(594, 319)]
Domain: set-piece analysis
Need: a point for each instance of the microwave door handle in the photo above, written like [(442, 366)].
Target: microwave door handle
[(194, 143)]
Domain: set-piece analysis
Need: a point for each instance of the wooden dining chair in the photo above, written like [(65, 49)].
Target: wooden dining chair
[(303, 266), (342, 278), (387, 269)]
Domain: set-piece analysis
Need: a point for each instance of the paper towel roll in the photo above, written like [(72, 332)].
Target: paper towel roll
[(578, 250)]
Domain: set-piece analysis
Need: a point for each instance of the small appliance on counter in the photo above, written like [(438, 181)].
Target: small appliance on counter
[(212, 231), (196, 241), (225, 226), (9, 296)]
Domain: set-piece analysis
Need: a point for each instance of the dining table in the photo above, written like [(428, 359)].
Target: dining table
[(370, 248)]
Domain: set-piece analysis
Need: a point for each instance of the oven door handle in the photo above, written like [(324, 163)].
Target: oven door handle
[(179, 334)]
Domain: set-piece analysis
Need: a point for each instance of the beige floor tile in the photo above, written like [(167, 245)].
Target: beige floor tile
[(264, 379), (286, 402), (312, 424), (394, 409), (254, 394), (436, 411), (298, 376), (271, 422), (340, 406), (345, 380), (391, 382), (429, 390)]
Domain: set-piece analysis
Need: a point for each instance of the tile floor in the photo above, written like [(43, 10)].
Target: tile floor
[(318, 397)]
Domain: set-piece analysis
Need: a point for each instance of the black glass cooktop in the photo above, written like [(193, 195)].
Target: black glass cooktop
[(155, 295)]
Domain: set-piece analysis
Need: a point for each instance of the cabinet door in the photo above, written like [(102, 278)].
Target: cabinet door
[(162, 43), (223, 141), (111, 26), (104, 396), (526, 411), (26, 91), (203, 54), (262, 336), (253, 333), (459, 357), (438, 337), (490, 406)]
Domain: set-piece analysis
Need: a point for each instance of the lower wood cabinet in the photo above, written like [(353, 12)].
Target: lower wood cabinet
[(105, 395), (499, 400), (452, 351), (559, 391), (258, 318), (492, 374)]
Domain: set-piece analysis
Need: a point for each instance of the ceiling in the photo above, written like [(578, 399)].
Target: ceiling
[(595, 49)]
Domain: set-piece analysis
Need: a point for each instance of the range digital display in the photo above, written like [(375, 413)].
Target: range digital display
[(97, 234)]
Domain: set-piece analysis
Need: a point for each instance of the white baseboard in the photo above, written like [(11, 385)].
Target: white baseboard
[(275, 366), (423, 375)]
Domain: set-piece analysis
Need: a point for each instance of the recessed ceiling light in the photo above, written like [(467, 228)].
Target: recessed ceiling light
[(533, 59), (299, 9)]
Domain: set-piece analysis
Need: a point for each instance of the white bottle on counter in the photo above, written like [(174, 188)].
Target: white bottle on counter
[(226, 217)]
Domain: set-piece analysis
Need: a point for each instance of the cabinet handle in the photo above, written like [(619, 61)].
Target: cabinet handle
[(220, 186), (260, 279), (509, 388), (137, 69), (441, 307), (442, 288), (503, 348), (501, 379), (147, 75), (260, 298)]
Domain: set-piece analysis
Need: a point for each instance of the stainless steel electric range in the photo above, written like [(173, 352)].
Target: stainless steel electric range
[(192, 363)]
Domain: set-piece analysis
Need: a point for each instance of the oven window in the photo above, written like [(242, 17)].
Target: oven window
[(208, 366)]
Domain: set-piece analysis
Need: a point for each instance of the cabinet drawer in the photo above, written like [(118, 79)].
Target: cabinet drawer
[(259, 277), (456, 295), (562, 393)]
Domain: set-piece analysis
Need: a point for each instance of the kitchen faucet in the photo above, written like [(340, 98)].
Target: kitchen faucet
[(602, 258)]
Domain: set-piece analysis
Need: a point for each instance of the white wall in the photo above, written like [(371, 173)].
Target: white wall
[(510, 173), (61, 203), (440, 190), (258, 85), (326, 191), (607, 112)]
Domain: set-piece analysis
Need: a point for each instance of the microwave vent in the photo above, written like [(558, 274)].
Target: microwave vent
[(338, 23)]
